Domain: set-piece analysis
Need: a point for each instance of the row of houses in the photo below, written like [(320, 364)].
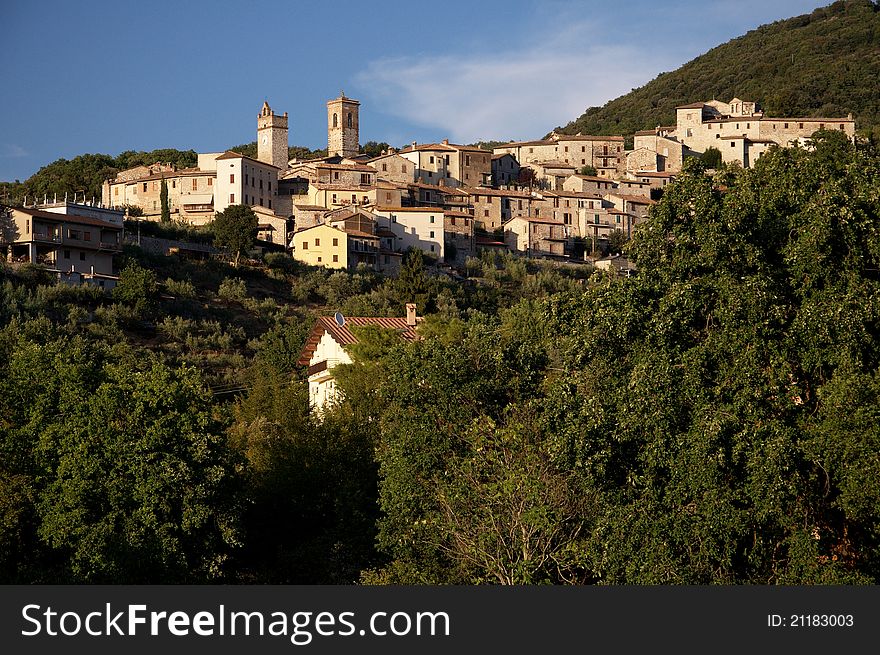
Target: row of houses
[(533, 197)]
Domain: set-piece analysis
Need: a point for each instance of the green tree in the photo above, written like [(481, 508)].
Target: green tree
[(235, 229), (711, 157), (588, 170), (163, 199), (138, 288)]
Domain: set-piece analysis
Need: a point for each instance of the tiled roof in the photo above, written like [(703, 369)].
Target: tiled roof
[(343, 335), (229, 154), (349, 167), (67, 218), (587, 137), (693, 105)]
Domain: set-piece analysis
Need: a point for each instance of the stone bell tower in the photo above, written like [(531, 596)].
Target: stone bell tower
[(272, 137), (342, 126)]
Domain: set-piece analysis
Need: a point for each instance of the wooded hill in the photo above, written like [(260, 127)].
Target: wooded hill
[(826, 63)]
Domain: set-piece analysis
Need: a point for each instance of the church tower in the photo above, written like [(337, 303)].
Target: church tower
[(272, 137), (342, 126)]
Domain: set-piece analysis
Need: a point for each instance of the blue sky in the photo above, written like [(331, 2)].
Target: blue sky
[(112, 76)]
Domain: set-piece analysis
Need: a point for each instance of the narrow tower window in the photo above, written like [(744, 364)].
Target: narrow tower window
[(335, 120)]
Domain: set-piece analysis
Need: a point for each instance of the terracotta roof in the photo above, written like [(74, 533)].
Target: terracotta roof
[(596, 178), (693, 105), (655, 174), (310, 208), (457, 214), (554, 163), (641, 200), (229, 154), (444, 146), (339, 186), (67, 218), (587, 137), (343, 335), (646, 133), (349, 167), (384, 208), (515, 144), (477, 191)]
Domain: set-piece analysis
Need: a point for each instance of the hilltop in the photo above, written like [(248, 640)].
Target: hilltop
[(826, 63)]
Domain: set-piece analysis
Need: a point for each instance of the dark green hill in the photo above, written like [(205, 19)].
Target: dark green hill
[(826, 63)]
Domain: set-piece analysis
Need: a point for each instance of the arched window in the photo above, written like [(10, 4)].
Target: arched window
[(335, 120), (349, 120)]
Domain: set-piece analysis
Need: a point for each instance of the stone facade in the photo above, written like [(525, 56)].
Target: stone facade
[(458, 228), (272, 139), (343, 127), (505, 169), (393, 168), (535, 237), (449, 164)]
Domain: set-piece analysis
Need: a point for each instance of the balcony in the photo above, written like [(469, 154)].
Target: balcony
[(50, 237)]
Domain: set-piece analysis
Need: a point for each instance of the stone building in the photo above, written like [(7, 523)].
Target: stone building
[(604, 153), (449, 164), (393, 168), (343, 130), (536, 237), (272, 139), (458, 228), (505, 169), (738, 129)]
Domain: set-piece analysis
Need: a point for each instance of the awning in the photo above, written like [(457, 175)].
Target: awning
[(197, 199)]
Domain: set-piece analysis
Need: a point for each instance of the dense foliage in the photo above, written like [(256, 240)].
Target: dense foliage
[(826, 63), (86, 173)]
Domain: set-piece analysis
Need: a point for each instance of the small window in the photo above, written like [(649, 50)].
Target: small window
[(801, 126), (305, 245), (66, 254), (432, 234), (431, 219), (231, 198), (82, 256), (116, 189), (317, 242), (335, 242), (486, 213), (431, 160), (245, 179), (232, 178), (732, 144), (319, 260), (210, 181), (384, 167), (432, 247), (335, 258), (145, 187)]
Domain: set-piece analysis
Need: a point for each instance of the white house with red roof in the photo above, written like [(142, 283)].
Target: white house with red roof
[(327, 347)]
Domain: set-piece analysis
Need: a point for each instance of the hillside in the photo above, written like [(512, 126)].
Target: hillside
[(826, 63)]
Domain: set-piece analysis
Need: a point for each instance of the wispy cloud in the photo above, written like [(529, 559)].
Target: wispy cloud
[(12, 151), (518, 92)]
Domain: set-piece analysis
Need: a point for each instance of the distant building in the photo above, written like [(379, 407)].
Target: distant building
[(738, 129)]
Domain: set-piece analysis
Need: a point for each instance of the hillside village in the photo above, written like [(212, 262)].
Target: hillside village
[(561, 198), (449, 200)]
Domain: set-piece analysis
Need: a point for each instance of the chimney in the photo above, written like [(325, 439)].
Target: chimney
[(411, 314), (413, 145), (445, 142)]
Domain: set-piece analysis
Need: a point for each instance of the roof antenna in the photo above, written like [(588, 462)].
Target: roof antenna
[(340, 319)]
